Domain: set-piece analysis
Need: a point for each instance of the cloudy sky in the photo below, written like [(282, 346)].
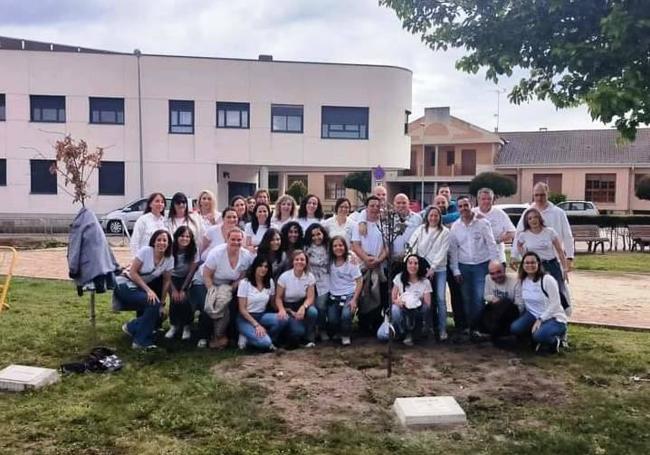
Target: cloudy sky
[(355, 31)]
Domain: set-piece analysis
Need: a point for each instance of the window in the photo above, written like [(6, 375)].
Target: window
[(451, 157), (600, 187), (232, 115), (3, 172), (294, 178), (43, 181), (3, 115), (106, 110), (430, 152), (286, 118), (344, 122), (406, 121), (181, 117), (554, 181), (111, 178), (47, 108), (334, 188)]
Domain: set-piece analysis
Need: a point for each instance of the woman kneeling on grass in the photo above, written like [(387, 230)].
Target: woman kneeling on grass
[(538, 299), (136, 291), (257, 326), (294, 300), (411, 297)]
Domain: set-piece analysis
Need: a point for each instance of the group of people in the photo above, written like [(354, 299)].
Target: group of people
[(262, 278)]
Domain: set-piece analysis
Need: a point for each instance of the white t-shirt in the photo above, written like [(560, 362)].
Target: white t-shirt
[(319, 266), (306, 222), (149, 270), (500, 224), (533, 297), (333, 228), (541, 243), (372, 243), (277, 224), (144, 228), (414, 293), (256, 237), (218, 261), (256, 300), (342, 278), (295, 289), (215, 236), (182, 265)]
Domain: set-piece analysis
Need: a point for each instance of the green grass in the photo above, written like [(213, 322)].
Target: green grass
[(614, 262), (169, 402)]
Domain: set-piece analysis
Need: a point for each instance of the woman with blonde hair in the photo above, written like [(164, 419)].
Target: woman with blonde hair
[(285, 211), (207, 209)]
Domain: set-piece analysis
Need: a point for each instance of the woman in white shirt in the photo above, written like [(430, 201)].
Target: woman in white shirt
[(258, 226), (538, 299), (285, 211), (239, 204), (411, 298), (180, 215), (340, 223), (258, 327), (207, 209), (310, 211), (294, 300), (431, 242), (216, 235), (316, 244), (152, 220), (139, 292)]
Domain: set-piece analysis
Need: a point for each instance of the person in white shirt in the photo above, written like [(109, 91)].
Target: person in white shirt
[(216, 235), (538, 299), (316, 243), (340, 223), (411, 296), (258, 327), (240, 204), (271, 248), (411, 221), (381, 194), (258, 226), (500, 310), (502, 228), (471, 247), (294, 300), (207, 209), (180, 215), (152, 220), (431, 242), (141, 290), (310, 212), (285, 211)]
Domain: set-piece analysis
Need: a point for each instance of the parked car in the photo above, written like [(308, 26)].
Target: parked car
[(579, 208), (114, 221), (512, 209)]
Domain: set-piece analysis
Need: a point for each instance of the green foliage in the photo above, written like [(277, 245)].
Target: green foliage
[(274, 194), (556, 198), (297, 190), (574, 52), (501, 185), (642, 190), (359, 181)]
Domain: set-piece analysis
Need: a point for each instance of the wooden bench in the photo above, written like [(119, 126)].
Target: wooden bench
[(589, 233), (639, 236)]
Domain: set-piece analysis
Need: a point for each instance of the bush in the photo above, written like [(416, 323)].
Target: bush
[(359, 181), (604, 221), (643, 188), (501, 185), (556, 198), (297, 190)]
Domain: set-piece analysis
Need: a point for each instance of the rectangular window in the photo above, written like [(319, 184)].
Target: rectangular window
[(451, 157), (233, 115), (344, 122), (43, 181), (106, 110), (286, 118), (111, 178), (49, 109), (181, 117), (554, 181), (3, 172), (3, 109), (294, 178), (406, 121), (600, 187), (334, 188)]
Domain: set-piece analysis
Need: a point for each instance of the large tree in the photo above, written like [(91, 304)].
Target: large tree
[(501, 185), (595, 52)]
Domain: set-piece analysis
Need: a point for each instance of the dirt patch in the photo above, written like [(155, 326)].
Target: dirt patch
[(312, 389)]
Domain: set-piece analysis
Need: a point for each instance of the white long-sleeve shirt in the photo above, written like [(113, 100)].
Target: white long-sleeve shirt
[(432, 245), (471, 243), (144, 228), (500, 223), (554, 217), (412, 221)]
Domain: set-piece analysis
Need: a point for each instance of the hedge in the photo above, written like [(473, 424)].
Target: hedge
[(604, 221)]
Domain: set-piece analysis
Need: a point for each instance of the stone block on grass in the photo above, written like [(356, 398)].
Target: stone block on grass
[(429, 412), (16, 378)]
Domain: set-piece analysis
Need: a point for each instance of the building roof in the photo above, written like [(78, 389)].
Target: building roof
[(18, 44), (576, 147), (451, 131)]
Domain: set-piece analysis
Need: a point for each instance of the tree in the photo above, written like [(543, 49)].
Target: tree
[(76, 164), (642, 190), (556, 198), (359, 181), (297, 190), (575, 52), (501, 185)]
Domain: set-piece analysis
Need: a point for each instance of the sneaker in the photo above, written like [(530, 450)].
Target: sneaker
[(555, 348), (187, 333), (309, 344), (135, 345), (171, 333), (272, 348), (564, 342), (324, 336), (242, 342), (538, 346), (203, 343), (444, 336), (408, 341), (125, 329), (345, 341)]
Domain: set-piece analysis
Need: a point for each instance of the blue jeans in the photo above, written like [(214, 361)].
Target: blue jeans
[(142, 327), (269, 321), (338, 314), (405, 322), (554, 268), (547, 333), (472, 289), (439, 307), (304, 329)]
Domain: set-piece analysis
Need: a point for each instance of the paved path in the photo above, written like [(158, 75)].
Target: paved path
[(619, 299)]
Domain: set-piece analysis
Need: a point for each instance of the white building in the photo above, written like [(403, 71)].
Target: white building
[(173, 123)]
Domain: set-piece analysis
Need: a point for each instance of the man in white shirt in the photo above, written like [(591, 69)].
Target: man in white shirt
[(381, 194), (411, 221), (502, 227), (499, 293), (471, 247)]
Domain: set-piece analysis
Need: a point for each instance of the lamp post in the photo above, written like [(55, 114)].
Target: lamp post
[(422, 125)]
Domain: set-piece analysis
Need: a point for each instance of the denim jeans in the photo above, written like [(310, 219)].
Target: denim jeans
[(405, 322), (304, 329), (547, 333), (439, 306), (338, 315), (554, 268), (142, 327), (180, 313), (321, 306), (269, 321), (472, 290)]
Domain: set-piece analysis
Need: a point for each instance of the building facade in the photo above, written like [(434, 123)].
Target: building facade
[(172, 123)]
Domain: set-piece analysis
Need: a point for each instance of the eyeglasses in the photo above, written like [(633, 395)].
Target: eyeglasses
[(539, 195)]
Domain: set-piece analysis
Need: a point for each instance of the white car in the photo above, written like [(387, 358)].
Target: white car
[(512, 209), (579, 208), (113, 222)]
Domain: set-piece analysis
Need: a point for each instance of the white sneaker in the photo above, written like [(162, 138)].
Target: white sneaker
[(125, 329), (345, 341), (444, 336), (171, 333), (187, 333), (203, 343), (408, 341), (242, 342), (309, 344)]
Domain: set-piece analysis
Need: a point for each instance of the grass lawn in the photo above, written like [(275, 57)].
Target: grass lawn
[(170, 402), (614, 261)]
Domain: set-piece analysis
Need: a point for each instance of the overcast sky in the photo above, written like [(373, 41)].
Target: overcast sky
[(353, 31)]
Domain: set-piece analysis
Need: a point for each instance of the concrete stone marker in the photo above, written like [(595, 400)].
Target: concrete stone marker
[(429, 412), (17, 378)]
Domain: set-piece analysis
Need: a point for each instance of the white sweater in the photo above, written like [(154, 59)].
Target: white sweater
[(432, 245), (144, 227), (553, 308)]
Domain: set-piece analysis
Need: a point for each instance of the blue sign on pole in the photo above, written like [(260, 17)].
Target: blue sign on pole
[(379, 173)]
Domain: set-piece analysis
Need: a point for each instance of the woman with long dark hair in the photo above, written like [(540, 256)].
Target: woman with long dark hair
[(316, 244), (271, 248), (340, 223), (152, 220), (310, 211), (258, 226), (181, 215), (239, 204)]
